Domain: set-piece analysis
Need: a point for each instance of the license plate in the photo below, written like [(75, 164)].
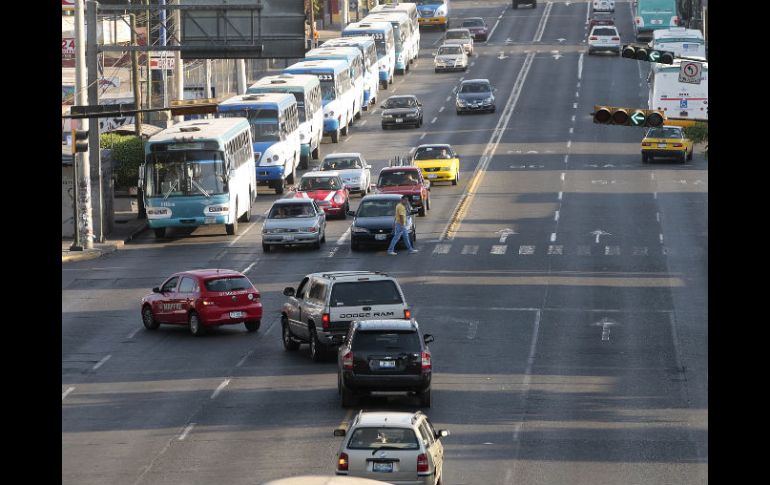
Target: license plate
[(399, 120), (661, 145), (210, 220), (432, 175), (382, 467), (237, 314), (288, 238), (390, 364), (656, 22), (380, 237)]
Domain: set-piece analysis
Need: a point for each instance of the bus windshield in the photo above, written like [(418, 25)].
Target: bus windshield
[(185, 172), (264, 123), (328, 93), (265, 132)]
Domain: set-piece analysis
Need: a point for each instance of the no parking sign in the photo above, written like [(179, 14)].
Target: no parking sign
[(690, 72)]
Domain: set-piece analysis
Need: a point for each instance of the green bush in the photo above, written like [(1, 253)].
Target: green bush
[(699, 133), (128, 154)]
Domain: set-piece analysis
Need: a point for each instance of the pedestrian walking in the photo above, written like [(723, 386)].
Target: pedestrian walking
[(399, 230)]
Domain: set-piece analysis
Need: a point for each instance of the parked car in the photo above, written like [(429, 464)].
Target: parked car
[(477, 27), (475, 95), (401, 110), (396, 446), (450, 58), (203, 298), (294, 222), (373, 221), (406, 181), (461, 37), (604, 38), (666, 141), (354, 170), (327, 189), (384, 356)]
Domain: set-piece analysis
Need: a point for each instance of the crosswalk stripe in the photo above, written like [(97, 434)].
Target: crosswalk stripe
[(555, 249), (442, 248), (526, 249), (468, 249), (499, 249), (612, 250)]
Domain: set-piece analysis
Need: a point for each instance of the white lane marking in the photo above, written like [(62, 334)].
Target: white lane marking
[(556, 216), (566, 158), (219, 389), (574, 105), (588, 10), (422, 136), (248, 268), (526, 249), (461, 79), (577, 94), (243, 233), (654, 195), (563, 174), (132, 334), (499, 249), (470, 249), (473, 63), (433, 120), (186, 431), (101, 362), (363, 123), (442, 249), (573, 118), (561, 194), (657, 216), (580, 68), (67, 392), (578, 84), (569, 143), (612, 250), (543, 21), (525, 385), (344, 236), (243, 359), (661, 238), (571, 130), (472, 328), (555, 249), (448, 98), (652, 176), (553, 237), (333, 251), (441, 109)]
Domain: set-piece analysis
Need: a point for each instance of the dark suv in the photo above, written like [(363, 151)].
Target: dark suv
[(384, 356)]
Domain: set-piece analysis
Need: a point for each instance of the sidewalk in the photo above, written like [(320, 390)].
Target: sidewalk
[(127, 226)]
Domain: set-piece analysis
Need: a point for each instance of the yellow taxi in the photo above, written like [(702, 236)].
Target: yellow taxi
[(438, 162), (666, 141)]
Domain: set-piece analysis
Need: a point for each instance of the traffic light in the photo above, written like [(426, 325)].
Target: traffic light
[(645, 53), (79, 141), (612, 115)]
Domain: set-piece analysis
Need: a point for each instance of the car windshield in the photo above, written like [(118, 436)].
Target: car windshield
[(373, 438), (458, 34), (475, 88), (341, 164), (664, 133), (405, 177), (473, 23), (430, 2), (377, 208), (432, 153), (399, 103), (604, 31), (319, 183), (449, 50), (383, 292), (402, 340), (231, 283), (290, 211)]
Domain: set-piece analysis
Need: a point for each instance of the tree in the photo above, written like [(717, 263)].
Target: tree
[(699, 133), (127, 153)]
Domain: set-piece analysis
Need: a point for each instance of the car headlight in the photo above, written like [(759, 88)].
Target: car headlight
[(387, 116), (489, 100), (360, 230), (411, 115), (460, 102), (441, 11), (446, 169)]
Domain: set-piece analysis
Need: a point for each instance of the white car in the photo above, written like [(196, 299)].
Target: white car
[(604, 5), (450, 57), (354, 171), (460, 36), (604, 38), (394, 446)]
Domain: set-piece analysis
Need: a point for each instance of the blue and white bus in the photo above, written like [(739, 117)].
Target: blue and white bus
[(410, 9), (371, 73), (382, 32), (356, 61), (406, 47), (338, 96), (307, 91), (199, 172), (274, 120), (433, 12)]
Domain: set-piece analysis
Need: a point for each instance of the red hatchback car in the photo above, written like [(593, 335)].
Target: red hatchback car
[(328, 190), (203, 298)]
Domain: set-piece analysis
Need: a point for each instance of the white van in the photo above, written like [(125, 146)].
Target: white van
[(679, 40)]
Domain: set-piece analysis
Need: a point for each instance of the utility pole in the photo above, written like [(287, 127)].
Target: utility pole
[(83, 222), (92, 61), (135, 78), (240, 69), (178, 67), (312, 23), (163, 70), (343, 14)]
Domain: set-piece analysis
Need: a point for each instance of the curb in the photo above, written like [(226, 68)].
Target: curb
[(109, 247)]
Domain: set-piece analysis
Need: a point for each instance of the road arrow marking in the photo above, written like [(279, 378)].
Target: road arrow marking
[(508, 41), (504, 233), (599, 233), (605, 323), (557, 56), (502, 56), (561, 40)]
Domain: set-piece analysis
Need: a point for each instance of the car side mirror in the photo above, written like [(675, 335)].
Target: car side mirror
[(427, 338), (419, 103), (340, 432), (351, 213), (156, 290), (288, 291), (442, 433)]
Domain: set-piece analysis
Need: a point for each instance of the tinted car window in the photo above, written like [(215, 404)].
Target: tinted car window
[(371, 438), (405, 177), (446, 51), (288, 211), (358, 293), (341, 164), (319, 183), (400, 103), (475, 88), (377, 208), (187, 285), (664, 133), (317, 291), (170, 285), (405, 341), (605, 31), (473, 23), (233, 283), (432, 153), (457, 35)]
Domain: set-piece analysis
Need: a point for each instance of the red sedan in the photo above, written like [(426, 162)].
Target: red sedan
[(203, 298), (328, 190), (406, 181)]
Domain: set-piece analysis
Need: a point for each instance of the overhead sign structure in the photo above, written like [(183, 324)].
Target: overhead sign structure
[(162, 60), (690, 72), (613, 115)]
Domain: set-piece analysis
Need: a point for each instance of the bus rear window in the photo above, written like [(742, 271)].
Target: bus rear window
[(233, 283)]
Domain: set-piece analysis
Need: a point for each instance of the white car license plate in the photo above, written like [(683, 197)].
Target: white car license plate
[(661, 145), (432, 175), (387, 364), (380, 237), (656, 22), (399, 120), (210, 220), (237, 314), (288, 238), (382, 467)]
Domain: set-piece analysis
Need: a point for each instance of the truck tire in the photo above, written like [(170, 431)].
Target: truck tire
[(196, 327), (253, 325), (288, 339), (316, 348), (336, 136)]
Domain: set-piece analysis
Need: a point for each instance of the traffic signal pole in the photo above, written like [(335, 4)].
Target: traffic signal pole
[(83, 221), (94, 152)]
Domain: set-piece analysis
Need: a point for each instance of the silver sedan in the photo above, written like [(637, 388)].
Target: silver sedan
[(294, 222), (354, 171)]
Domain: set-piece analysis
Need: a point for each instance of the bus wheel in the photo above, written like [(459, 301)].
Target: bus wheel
[(279, 187), (358, 115), (291, 177), (316, 153), (303, 162), (160, 231), (231, 228), (336, 136), (246, 217), (344, 130)]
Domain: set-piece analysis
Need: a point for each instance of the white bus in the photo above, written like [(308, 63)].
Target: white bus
[(407, 7), (307, 91), (407, 43), (274, 120), (371, 72), (199, 172), (356, 62), (338, 96), (681, 41), (678, 100), (382, 32)]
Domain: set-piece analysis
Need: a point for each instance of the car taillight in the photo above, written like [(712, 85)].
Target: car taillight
[(207, 302), (645, 144), (407, 314), (253, 296), (325, 320), (342, 462), (422, 463), (338, 198), (678, 145), (347, 361), (425, 360), (593, 37)]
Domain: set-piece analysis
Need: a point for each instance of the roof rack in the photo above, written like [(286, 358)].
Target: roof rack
[(401, 161), (342, 274)]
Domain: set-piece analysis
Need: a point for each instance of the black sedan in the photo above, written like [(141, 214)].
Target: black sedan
[(478, 28), (475, 95), (401, 110), (374, 220)]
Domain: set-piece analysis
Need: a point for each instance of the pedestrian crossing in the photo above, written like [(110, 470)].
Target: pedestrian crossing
[(449, 249)]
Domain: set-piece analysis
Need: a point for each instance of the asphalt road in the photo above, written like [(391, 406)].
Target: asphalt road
[(568, 298)]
